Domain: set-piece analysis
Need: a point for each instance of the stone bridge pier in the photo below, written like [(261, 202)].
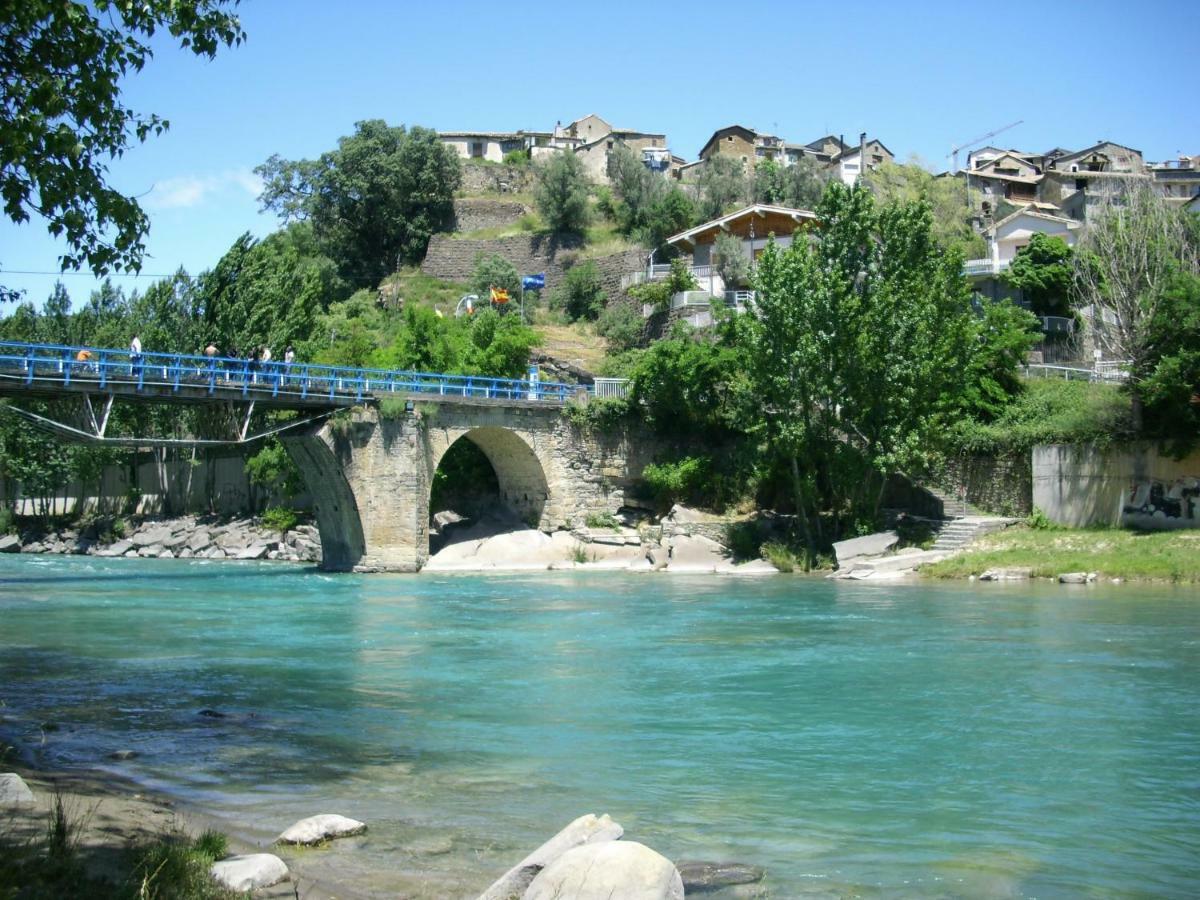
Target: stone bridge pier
[(370, 477)]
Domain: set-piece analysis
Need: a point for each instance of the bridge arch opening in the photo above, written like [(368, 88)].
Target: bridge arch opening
[(489, 472)]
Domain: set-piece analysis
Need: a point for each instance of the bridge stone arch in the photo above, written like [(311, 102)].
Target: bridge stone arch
[(371, 477), (520, 472)]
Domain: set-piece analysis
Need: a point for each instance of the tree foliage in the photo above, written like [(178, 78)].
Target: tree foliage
[(581, 294), (946, 197), (494, 271), (723, 185), (648, 207), (799, 185), (1128, 262), (374, 202), (561, 194), (857, 353), (63, 118), (1043, 272)]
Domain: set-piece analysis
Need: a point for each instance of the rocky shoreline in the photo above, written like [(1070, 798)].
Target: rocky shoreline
[(184, 537)]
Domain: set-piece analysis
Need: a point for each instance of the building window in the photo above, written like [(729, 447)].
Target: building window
[(1081, 184), (477, 149)]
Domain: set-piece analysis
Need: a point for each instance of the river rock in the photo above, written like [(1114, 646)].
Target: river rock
[(681, 513), (246, 873), (198, 540), (258, 551), (624, 869), (695, 554), (1076, 577), (702, 877), (121, 755), (589, 829), (324, 827), (868, 545), (214, 553), (176, 540), (166, 554), (10, 543), (153, 550), (14, 791), (1018, 573), (150, 537), (120, 548)]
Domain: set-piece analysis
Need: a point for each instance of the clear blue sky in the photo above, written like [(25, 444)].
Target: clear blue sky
[(920, 77)]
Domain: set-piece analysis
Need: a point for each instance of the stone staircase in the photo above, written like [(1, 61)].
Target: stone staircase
[(954, 534), (952, 506)]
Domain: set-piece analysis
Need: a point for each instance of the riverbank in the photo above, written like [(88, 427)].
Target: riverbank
[(1108, 553), (91, 833), (182, 537)]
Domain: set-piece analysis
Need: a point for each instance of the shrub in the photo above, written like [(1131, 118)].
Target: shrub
[(581, 295), (1039, 521), (579, 554), (494, 271), (670, 482), (600, 415), (603, 520), (280, 518), (733, 261), (393, 408), (743, 540), (621, 325), (8, 523), (516, 158)]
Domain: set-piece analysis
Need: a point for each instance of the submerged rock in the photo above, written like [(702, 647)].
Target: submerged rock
[(324, 827), (245, 873), (701, 877), (123, 754), (624, 869), (1076, 577)]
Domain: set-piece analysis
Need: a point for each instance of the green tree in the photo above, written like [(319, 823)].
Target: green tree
[(1042, 271), (561, 194), (499, 346), (732, 261), (581, 294), (723, 185), (1169, 380), (857, 354), (62, 65), (946, 197), (648, 207), (494, 271), (374, 202), (799, 185), (621, 325)]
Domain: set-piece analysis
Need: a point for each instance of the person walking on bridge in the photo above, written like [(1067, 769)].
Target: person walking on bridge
[(135, 355)]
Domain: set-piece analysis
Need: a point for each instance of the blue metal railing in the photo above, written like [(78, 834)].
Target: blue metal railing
[(104, 367)]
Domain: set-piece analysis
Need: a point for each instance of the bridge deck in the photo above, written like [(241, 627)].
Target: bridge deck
[(49, 371)]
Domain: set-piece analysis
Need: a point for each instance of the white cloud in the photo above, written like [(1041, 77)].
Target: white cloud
[(186, 191)]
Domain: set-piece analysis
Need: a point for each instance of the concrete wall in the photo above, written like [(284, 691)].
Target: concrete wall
[(1132, 485)]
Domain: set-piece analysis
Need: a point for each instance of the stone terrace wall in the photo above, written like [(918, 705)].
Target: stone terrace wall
[(471, 214), (495, 179), (453, 260), (1001, 485)]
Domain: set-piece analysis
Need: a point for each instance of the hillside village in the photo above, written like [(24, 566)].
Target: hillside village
[(1009, 195)]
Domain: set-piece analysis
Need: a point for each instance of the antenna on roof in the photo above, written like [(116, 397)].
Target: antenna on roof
[(971, 143)]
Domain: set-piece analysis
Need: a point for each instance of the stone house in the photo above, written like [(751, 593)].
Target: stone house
[(733, 141), (1177, 180), (485, 145), (1005, 238), (848, 167)]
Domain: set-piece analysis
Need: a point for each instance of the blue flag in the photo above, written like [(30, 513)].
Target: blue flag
[(534, 282)]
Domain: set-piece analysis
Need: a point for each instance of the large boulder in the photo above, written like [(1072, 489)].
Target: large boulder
[(120, 548), (695, 554), (14, 791), (199, 540), (258, 551), (868, 545), (589, 829), (246, 873), (151, 537), (316, 829), (10, 543), (624, 869)]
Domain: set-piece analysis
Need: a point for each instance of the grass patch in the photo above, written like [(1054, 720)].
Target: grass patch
[(780, 556), (412, 286), (603, 520), (1112, 553), (51, 864)]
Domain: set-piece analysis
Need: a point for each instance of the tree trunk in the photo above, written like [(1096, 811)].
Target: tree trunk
[(802, 515)]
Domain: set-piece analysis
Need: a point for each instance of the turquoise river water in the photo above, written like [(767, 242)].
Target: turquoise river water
[(906, 740)]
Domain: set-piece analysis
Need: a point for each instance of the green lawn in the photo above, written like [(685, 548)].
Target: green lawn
[(1111, 553)]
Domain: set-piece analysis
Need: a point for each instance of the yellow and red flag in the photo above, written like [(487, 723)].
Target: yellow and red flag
[(499, 295)]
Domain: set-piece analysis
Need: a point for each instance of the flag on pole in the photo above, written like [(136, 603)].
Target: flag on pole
[(499, 295), (534, 282)]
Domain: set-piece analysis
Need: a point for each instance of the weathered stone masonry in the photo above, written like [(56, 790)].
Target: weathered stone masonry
[(371, 481)]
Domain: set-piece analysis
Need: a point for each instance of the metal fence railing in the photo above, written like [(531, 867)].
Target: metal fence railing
[(105, 369), (1114, 371)]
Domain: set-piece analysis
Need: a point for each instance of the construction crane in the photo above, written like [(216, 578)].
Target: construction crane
[(971, 143)]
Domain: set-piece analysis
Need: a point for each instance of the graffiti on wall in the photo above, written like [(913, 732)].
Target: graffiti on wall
[(1163, 504)]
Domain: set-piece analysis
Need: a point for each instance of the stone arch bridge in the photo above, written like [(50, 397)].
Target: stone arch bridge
[(371, 477)]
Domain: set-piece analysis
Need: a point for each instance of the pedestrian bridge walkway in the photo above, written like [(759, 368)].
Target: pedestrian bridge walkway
[(50, 370)]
